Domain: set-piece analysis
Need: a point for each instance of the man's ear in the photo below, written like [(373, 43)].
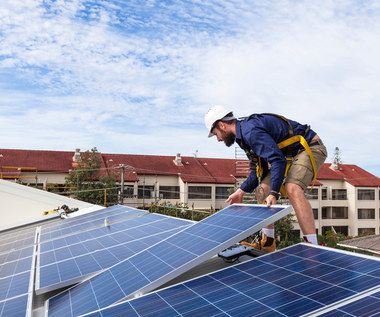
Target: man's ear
[(221, 126)]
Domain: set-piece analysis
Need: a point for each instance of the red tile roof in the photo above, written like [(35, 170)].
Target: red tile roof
[(44, 161), (352, 174), (192, 170)]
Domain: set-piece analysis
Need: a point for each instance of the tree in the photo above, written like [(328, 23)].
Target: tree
[(90, 183)]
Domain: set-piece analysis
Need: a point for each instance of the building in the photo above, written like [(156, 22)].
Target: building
[(346, 200), (345, 197)]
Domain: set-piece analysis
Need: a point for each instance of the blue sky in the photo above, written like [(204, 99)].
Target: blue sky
[(137, 77)]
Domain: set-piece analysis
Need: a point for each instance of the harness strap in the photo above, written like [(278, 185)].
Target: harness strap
[(303, 142)]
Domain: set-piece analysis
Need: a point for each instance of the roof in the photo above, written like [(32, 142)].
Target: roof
[(192, 169), (350, 173), (20, 204), (42, 160), (369, 243)]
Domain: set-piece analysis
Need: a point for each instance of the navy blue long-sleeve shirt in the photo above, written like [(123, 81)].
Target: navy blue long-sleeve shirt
[(261, 133)]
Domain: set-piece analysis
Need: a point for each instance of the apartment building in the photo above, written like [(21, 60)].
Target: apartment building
[(345, 197)]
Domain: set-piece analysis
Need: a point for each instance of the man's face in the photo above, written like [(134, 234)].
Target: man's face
[(226, 136)]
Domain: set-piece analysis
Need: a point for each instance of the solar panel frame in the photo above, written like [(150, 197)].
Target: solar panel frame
[(246, 228), (233, 292)]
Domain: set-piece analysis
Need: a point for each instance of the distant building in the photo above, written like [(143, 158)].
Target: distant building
[(345, 197)]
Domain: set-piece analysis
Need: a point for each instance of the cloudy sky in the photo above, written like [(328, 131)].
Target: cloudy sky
[(137, 76)]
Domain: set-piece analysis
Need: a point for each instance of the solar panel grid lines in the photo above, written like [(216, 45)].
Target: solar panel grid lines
[(86, 222), (16, 285), (365, 304), (13, 255), (17, 306), (78, 268), (253, 288), (80, 237), (16, 244), (171, 257)]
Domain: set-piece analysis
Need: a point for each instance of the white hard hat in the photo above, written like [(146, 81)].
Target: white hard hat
[(214, 114)]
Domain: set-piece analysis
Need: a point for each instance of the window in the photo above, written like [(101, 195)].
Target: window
[(295, 234), (341, 229), (366, 194), (325, 229), (199, 192), (315, 212), (366, 230), (324, 193), (169, 192), (222, 192), (128, 192), (325, 213), (366, 213), (339, 194), (339, 213), (145, 192), (311, 194)]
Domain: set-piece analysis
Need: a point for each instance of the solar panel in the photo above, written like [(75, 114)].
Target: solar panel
[(88, 252), (19, 306), (367, 304), (16, 280), (299, 280), (164, 261), (88, 221), (17, 240)]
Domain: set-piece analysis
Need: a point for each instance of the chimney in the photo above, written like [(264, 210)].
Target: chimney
[(334, 166), (76, 158), (178, 161)]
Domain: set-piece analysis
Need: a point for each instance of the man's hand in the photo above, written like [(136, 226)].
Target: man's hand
[(236, 197), (271, 200)]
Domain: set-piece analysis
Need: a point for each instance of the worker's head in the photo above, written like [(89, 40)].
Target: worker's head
[(221, 122)]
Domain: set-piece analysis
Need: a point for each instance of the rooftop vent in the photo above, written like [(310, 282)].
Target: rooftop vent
[(76, 158), (178, 160)]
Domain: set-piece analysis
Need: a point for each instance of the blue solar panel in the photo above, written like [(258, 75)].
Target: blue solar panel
[(162, 262), (15, 241), (88, 221), (15, 307), (363, 307), (100, 248), (283, 283), (13, 255)]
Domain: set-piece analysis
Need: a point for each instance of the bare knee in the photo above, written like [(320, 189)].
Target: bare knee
[(293, 190)]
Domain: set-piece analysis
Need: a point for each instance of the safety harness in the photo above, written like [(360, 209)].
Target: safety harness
[(255, 160)]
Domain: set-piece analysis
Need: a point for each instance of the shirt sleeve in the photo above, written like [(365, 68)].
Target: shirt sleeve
[(250, 183)]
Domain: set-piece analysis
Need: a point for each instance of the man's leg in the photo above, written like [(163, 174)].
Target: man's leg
[(303, 211), (268, 242), (266, 188)]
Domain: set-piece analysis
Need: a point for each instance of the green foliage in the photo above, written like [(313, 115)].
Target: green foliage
[(90, 182)]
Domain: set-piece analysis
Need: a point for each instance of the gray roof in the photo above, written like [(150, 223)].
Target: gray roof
[(369, 243)]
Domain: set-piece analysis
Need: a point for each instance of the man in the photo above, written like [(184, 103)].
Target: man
[(261, 136)]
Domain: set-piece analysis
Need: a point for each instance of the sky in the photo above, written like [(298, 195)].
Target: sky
[(137, 77)]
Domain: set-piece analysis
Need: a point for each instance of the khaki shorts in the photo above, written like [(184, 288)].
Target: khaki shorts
[(301, 170)]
